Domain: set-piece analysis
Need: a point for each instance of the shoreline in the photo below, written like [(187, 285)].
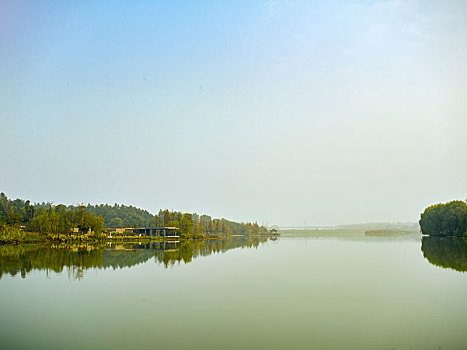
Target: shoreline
[(85, 239), (34, 238)]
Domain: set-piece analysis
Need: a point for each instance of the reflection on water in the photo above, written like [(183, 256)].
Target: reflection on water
[(298, 293), (23, 259), (447, 252)]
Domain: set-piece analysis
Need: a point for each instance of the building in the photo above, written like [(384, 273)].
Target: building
[(169, 232)]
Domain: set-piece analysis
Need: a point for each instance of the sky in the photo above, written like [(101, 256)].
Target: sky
[(280, 112)]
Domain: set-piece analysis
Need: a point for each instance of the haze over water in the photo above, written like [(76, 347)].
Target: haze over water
[(299, 292)]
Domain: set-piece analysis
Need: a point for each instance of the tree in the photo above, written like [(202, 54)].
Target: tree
[(29, 211), (116, 222), (3, 206), (14, 219), (186, 224), (173, 223), (449, 219), (212, 227)]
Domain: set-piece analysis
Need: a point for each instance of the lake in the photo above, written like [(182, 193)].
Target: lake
[(293, 292)]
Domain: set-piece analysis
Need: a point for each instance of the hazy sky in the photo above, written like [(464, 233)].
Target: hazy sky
[(277, 111)]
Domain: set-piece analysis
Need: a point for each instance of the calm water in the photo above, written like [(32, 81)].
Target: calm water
[(290, 293)]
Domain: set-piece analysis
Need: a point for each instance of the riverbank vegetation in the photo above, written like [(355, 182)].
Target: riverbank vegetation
[(448, 219), (22, 221)]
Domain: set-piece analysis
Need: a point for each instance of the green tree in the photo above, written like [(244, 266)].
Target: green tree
[(14, 219), (449, 219), (29, 211), (186, 224), (173, 223), (116, 222), (3, 206)]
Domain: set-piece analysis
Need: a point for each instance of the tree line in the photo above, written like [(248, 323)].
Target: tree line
[(48, 218), (188, 223)]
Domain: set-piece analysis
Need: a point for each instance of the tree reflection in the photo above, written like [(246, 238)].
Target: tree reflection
[(23, 259), (447, 252)]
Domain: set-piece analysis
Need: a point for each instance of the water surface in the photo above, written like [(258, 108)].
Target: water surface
[(239, 293)]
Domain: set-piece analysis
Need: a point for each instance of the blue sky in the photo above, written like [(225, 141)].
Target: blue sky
[(277, 111)]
